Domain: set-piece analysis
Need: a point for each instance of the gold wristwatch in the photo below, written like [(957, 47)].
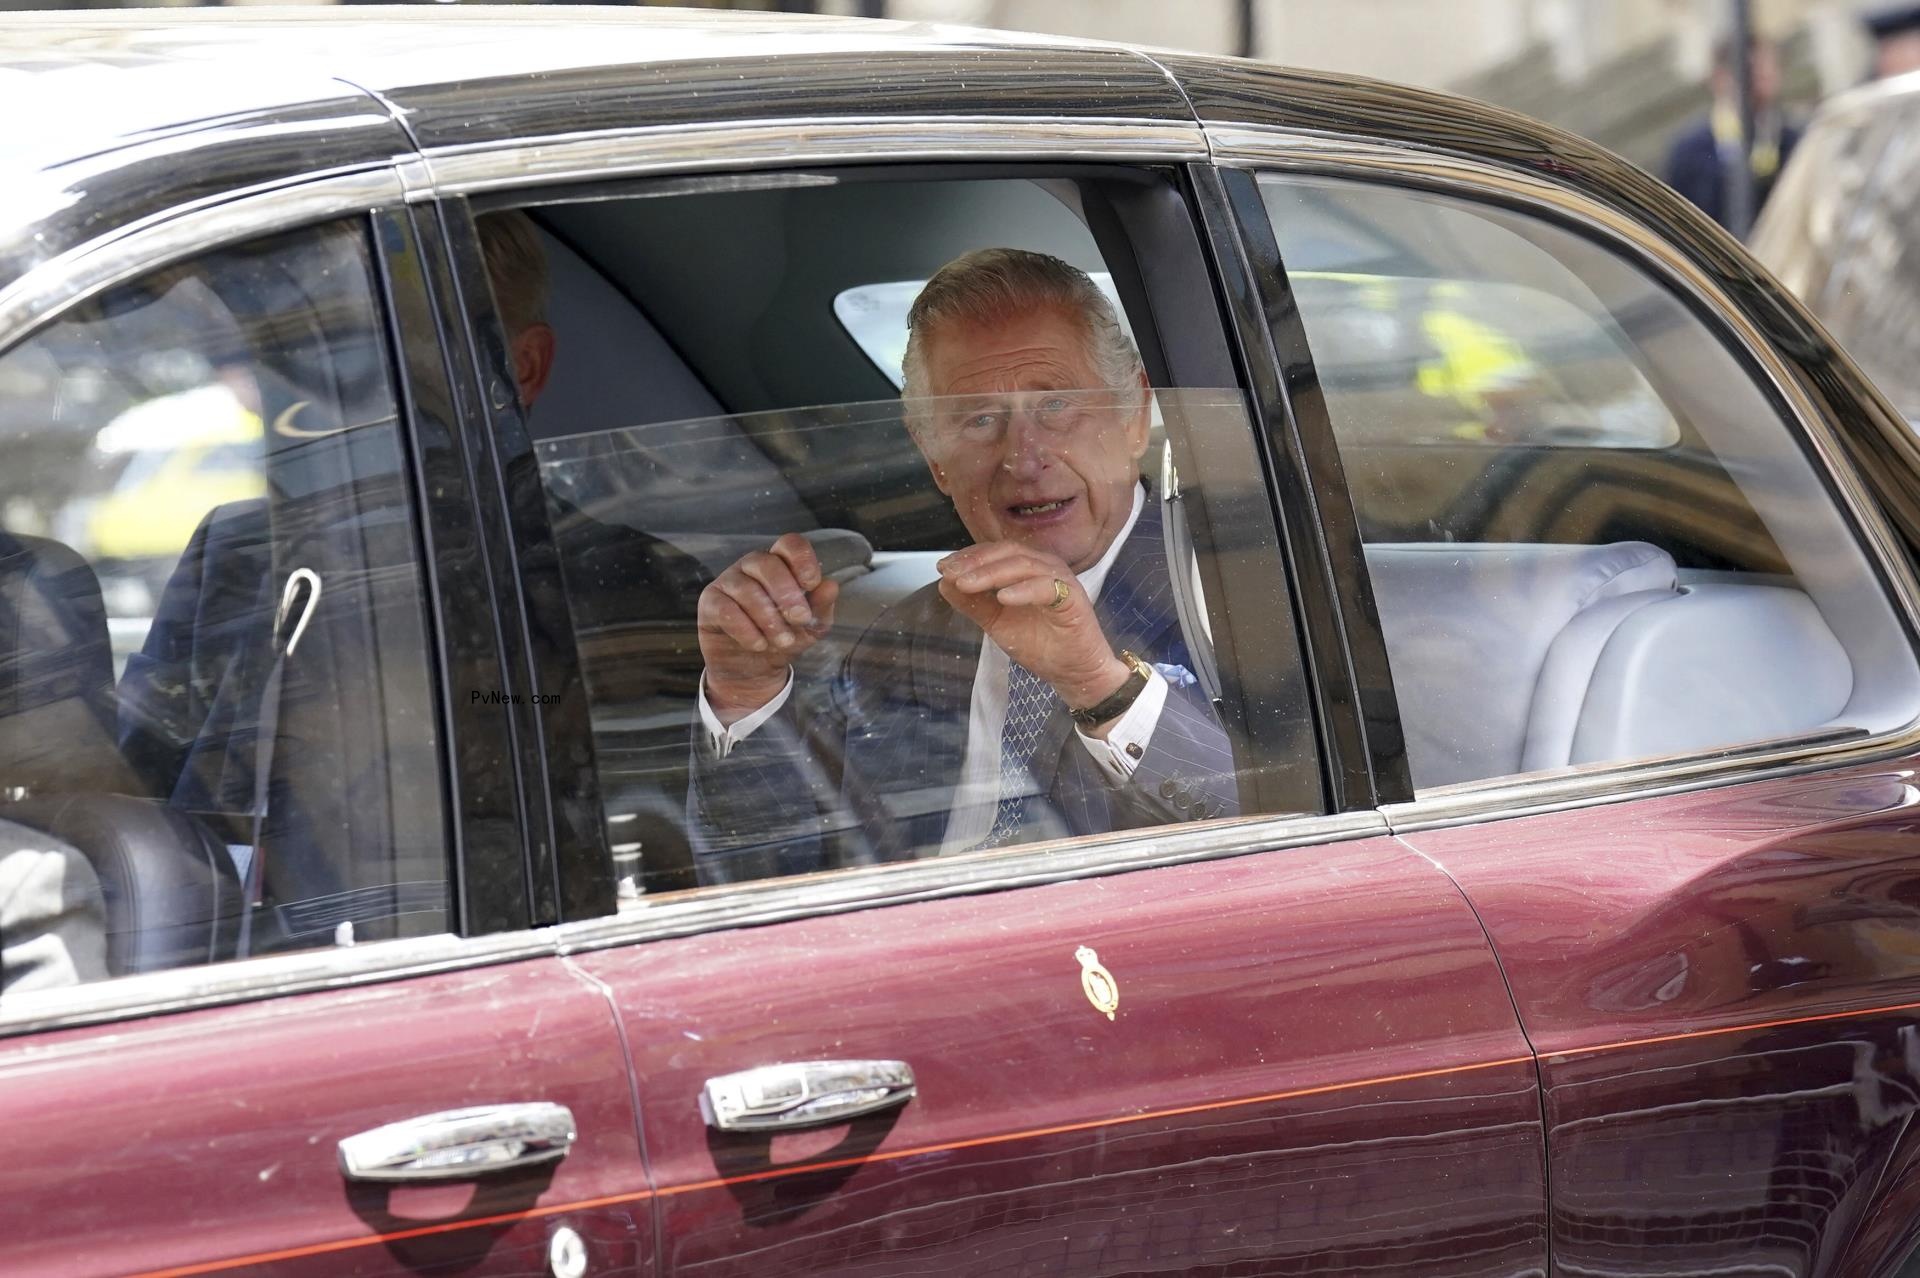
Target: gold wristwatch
[(1125, 695)]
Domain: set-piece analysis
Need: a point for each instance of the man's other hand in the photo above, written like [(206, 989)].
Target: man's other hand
[(756, 618)]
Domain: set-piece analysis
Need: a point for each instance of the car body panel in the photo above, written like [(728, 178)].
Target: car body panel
[(1724, 991), (1313, 1066), (207, 1141)]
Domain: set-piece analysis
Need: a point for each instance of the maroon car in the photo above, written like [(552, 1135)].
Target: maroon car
[(387, 396)]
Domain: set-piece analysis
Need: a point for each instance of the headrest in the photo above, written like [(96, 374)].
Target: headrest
[(57, 724)]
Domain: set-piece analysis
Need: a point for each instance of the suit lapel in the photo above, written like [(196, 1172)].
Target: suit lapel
[(1135, 608), (1136, 602)]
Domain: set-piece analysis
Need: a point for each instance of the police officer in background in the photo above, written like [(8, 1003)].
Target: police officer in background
[(1699, 160)]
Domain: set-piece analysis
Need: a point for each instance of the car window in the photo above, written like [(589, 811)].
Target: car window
[(1028, 444), (216, 722), (1591, 536)]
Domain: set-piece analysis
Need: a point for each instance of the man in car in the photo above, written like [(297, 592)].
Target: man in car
[(1041, 687)]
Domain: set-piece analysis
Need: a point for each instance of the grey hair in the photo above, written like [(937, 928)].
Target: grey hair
[(516, 268), (995, 283)]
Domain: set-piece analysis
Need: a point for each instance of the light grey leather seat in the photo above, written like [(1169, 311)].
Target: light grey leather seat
[(1713, 665), (1469, 630), (1520, 658)]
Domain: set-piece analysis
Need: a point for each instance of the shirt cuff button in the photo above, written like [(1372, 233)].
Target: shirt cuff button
[(1133, 750)]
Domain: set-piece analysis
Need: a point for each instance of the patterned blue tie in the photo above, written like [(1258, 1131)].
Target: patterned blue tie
[(1029, 704)]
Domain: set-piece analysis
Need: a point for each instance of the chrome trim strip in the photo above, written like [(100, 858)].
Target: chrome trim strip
[(694, 148), (183, 989), (150, 242), (416, 179), (1094, 855), (682, 914), (1289, 151)]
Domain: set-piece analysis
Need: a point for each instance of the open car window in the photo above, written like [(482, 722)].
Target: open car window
[(755, 415)]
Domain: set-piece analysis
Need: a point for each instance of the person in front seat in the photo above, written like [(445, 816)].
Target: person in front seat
[(1024, 695)]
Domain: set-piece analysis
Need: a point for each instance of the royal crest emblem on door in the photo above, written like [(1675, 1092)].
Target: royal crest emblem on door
[(1097, 982)]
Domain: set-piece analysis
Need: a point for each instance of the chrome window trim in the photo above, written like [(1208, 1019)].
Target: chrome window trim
[(246, 980), (663, 918), (635, 152), (151, 242), (838, 892), (1289, 151)]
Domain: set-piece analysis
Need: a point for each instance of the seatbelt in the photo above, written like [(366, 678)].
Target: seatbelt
[(1181, 569), (285, 639)]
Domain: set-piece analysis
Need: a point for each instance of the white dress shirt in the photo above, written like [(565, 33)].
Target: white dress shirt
[(970, 819)]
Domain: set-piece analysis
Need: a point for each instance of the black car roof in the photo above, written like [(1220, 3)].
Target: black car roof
[(137, 112)]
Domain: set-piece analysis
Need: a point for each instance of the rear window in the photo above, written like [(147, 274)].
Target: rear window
[(875, 317), (1428, 359)]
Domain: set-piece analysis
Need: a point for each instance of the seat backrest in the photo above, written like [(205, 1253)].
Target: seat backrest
[(1716, 664), (169, 886), (1523, 658), (1469, 628), (172, 896)]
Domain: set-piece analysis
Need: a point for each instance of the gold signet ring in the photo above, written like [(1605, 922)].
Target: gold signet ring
[(1061, 594)]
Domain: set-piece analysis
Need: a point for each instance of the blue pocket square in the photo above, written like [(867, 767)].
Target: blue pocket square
[(1178, 676)]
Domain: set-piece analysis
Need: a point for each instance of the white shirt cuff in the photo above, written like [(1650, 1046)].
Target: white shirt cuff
[(724, 738), (1120, 753)]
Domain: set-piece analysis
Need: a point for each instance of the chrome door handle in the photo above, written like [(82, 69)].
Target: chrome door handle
[(458, 1144), (803, 1094)]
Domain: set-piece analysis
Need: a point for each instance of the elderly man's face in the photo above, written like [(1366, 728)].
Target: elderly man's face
[(1026, 440)]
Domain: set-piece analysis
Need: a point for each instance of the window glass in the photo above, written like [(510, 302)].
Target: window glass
[(1591, 536), (216, 723), (876, 751), (790, 671)]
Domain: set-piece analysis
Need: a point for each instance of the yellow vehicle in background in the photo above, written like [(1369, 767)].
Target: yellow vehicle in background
[(190, 452)]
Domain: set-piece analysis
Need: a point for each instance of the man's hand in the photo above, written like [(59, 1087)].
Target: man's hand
[(756, 618), (1008, 591)]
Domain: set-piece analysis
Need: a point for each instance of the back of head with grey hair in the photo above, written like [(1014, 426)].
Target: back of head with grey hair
[(993, 284), (516, 267)]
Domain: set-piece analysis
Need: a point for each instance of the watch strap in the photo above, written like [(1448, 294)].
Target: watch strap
[(1118, 702)]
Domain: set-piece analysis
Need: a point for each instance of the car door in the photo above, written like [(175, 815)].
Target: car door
[(1653, 655), (1276, 1040), (260, 909)]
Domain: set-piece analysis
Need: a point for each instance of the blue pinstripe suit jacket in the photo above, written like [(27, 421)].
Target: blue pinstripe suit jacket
[(863, 766)]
